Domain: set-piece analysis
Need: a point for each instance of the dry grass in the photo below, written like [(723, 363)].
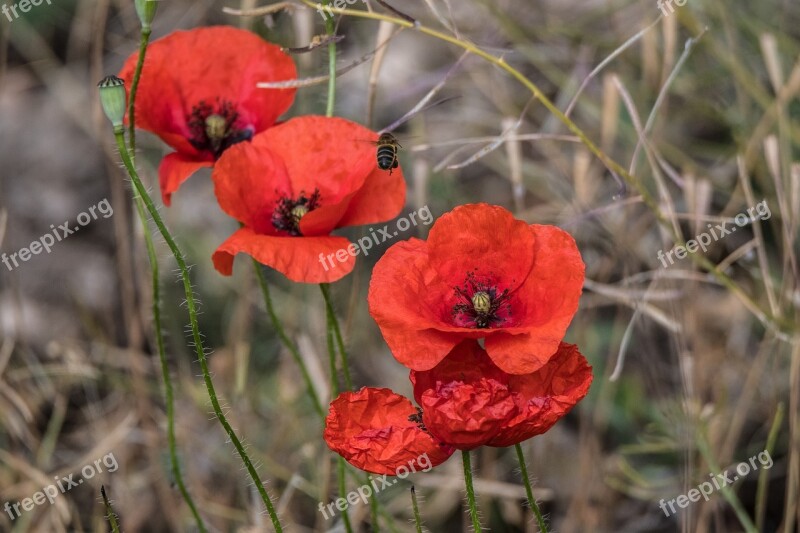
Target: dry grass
[(689, 377)]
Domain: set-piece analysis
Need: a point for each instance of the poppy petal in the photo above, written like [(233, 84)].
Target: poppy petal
[(371, 429), (249, 179), (329, 154), (404, 301), (479, 239), (545, 396), (218, 63), (364, 209), (174, 169), (301, 259), (545, 304)]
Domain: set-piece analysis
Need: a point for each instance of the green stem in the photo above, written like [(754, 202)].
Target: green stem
[(373, 510), (415, 507), (334, 323), (287, 342), (529, 490), (343, 494), (331, 356), (330, 29), (110, 514), (473, 507), (145, 38), (162, 355), (119, 134)]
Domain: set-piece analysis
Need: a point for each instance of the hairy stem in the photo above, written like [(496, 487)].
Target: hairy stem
[(473, 507), (195, 327), (529, 490)]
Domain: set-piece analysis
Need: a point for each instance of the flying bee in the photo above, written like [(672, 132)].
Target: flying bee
[(388, 146), (387, 152)]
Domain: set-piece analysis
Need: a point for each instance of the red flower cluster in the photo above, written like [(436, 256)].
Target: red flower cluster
[(466, 402), (198, 93), (481, 274), (294, 184), (289, 185)]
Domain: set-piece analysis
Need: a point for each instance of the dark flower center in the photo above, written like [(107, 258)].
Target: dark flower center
[(480, 304), (215, 128), (289, 212)]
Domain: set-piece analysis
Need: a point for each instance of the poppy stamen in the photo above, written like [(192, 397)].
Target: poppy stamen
[(216, 128), (481, 305), (289, 212)]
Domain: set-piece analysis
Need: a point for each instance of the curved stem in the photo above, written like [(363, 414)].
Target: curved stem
[(162, 355), (287, 342), (337, 332), (145, 38), (196, 336), (529, 490), (473, 507)]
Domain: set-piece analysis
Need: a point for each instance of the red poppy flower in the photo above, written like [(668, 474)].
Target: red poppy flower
[(495, 408), (467, 402), (295, 183), (375, 430), (198, 93), (481, 274)]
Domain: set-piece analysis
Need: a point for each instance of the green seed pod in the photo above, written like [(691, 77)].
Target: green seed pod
[(114, 99), (146, 9)]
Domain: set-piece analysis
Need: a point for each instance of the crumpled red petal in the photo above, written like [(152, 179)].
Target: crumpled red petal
[(372, 431), (297, 258), (545, 396)]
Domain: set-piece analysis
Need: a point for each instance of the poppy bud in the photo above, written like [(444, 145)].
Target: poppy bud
[(146, 9), (113, 98)]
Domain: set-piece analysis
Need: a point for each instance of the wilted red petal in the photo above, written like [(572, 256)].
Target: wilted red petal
[(372, 431), (545, 396), (297, 258), (543, 306), (467, 414)]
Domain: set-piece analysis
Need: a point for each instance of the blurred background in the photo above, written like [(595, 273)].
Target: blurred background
[(695, 372)]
